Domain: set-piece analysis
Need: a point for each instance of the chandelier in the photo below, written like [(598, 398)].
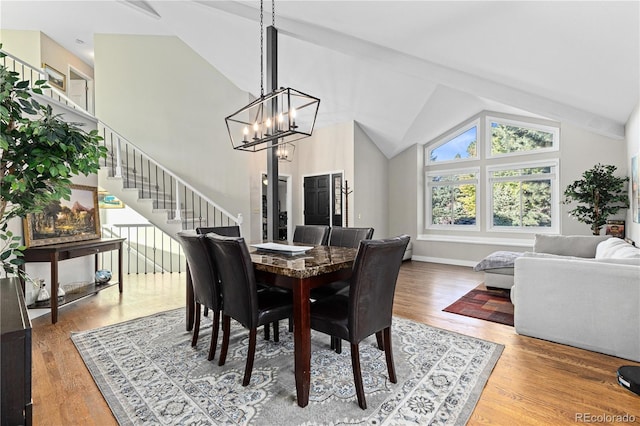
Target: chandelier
[(275, 119), (285, 152)]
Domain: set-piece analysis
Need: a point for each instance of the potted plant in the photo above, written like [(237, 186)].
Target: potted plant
[(601, 194), (39, 153)]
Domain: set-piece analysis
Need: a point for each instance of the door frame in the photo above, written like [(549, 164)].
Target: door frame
[(331, 192), (90, 88), (289, 200)]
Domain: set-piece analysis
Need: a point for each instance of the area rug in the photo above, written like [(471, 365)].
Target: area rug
[(487, 304), (149, 374)]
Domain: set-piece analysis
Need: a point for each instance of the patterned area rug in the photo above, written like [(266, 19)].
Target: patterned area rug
[(491, 305), (149, 374)]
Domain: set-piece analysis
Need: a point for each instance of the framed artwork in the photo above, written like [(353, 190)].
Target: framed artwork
[(108, 201), (65, 221), (55, 78), (635, 190), (615, 228)]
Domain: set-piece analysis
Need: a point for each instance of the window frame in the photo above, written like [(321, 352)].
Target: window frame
[(555, 131), (448, 137), (555, 196), (429, 210)]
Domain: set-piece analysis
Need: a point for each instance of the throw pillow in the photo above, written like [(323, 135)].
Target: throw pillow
[(616, 248)]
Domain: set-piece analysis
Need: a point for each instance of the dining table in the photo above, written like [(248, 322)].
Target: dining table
[(299, 272)]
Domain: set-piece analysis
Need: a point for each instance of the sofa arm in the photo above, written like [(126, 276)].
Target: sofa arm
[(582, 303), (568, 245)]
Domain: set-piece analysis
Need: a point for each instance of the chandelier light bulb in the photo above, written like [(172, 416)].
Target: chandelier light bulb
[(245, 132), (255, 130)]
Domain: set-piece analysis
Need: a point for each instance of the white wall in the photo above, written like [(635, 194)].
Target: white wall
[(580, 150), (160, 95), (24, 45), (632, 132), (370, 187)]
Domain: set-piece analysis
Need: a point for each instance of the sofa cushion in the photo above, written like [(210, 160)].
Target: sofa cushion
[(568, 245), (616, 248)]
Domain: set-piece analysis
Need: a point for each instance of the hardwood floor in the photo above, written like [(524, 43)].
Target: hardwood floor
[(534, 382)]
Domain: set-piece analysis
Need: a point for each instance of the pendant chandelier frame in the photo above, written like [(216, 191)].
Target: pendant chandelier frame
[(275, 119)]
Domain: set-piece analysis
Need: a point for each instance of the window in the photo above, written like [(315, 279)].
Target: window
[(471, 184), (522, 197), (452, 198), (510, 137), (462, 146)]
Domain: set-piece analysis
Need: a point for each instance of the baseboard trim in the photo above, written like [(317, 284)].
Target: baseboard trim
[(446, 261)]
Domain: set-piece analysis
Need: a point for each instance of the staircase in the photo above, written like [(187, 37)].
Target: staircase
[(155, 192), (163, 198)]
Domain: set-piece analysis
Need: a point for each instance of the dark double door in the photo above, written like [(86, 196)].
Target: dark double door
[(321, 202)]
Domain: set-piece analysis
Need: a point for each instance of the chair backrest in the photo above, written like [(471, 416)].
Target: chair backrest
[(373, 284), (204, 276), (226, 231), (239, 290), (311, 234), (349, 237)]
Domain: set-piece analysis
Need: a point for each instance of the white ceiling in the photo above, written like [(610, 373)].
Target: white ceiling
[(406, 71)]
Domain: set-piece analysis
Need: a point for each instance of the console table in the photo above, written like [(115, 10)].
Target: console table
[(56, 252)]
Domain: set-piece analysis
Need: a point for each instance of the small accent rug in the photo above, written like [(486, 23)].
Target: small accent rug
[(487, 304), (149, 374)]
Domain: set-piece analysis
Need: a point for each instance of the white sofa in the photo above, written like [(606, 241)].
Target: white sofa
[(582, 291)]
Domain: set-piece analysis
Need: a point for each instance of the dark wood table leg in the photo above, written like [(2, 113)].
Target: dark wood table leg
[(191, 304), (54, 287), (120, 272), (302, 340)]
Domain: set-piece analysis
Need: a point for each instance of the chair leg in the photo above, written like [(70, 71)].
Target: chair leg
[(214, 335), (357, 375), (250, 355), (333, 343), (196, 326), (379, 340), (338, 345), (206, 311), (226, 326), (276, 331), (389, 355), (290, 324), (266, 332)]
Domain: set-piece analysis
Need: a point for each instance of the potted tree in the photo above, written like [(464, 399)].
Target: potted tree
[(601, 195), (39, 153)]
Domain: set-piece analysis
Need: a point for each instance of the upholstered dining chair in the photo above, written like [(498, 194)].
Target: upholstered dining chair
[(227, 231), (242, 300), (311, 234), (349, 237), (206, 287), (367, 309), (341, 237)]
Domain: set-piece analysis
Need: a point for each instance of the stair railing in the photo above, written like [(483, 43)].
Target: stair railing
[(32, 73), (149, 250), (167, 191)]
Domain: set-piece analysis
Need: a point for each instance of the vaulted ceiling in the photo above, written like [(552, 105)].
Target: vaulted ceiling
[(406, 71)]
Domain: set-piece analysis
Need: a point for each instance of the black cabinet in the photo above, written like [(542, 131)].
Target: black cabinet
[(15, 354)]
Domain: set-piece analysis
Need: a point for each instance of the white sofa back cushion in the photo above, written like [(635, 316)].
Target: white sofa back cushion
[(616, 248), (568, 245)]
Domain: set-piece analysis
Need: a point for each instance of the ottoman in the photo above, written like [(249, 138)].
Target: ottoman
[(498, 268)]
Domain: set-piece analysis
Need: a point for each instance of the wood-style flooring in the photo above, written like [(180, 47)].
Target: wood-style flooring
[(534, 382)]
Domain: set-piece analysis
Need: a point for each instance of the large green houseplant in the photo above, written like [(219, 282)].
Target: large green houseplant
[(39, 153), (600, 194)]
